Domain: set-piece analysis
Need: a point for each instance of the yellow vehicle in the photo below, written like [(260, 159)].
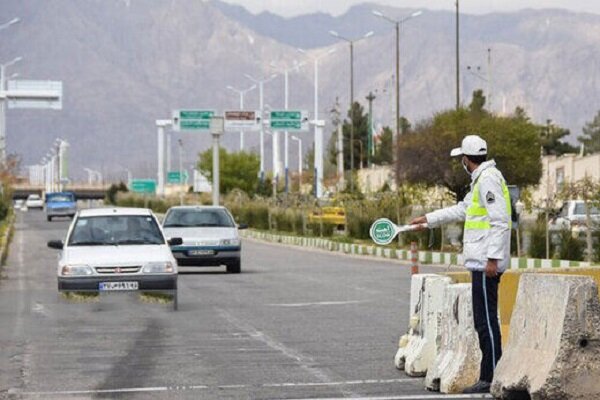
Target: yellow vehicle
[(329, 215)]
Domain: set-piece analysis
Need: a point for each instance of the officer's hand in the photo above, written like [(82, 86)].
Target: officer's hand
[(491, 268), (419, 221)]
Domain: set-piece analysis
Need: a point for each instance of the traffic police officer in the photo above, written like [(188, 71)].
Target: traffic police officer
[(486, 210)]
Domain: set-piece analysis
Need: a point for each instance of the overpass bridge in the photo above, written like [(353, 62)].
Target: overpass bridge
[(82, 191)]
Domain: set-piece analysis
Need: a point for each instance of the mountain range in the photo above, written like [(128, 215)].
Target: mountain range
[(126, 63)]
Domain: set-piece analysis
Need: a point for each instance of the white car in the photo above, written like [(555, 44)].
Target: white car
[(34, 201), (116, 249), (572, 216), (210, 236)]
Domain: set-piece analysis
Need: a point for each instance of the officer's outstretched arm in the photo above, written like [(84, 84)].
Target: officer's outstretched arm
[(448, 215)]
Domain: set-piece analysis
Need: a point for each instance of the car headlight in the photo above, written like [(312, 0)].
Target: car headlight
[(230, 242), (158, 268), (76, 270)]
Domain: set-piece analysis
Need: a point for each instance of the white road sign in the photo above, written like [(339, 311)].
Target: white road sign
[(35, 94), (242, 120)]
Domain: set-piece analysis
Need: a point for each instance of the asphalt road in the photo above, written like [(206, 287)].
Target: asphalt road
[(294, 324)]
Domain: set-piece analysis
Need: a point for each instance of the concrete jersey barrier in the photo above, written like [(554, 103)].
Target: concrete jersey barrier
[(553, 351), (421, 344), (458, 360)]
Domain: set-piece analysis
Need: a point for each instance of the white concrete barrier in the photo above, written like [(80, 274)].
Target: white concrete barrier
[(418, 348), (458, 360), (553, 349)]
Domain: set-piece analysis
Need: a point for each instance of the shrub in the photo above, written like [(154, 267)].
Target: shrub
[(570, 247)]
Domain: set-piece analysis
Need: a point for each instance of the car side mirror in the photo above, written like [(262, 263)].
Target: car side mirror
[(56, 244), (243, 226), (177, 241)]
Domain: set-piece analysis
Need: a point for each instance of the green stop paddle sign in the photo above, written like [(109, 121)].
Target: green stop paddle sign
[(383, 231)]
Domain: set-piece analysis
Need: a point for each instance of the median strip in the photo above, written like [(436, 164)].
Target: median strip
[(425, 257)]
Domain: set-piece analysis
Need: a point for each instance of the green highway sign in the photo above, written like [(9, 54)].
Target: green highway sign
[(143, 186), (192, 120), (289, 120), (176, 177), (383, 231), (286, 125), (294, 115)]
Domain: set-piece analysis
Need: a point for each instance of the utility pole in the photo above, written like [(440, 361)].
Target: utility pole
[(160, 125), (489, 70), (370, 99)]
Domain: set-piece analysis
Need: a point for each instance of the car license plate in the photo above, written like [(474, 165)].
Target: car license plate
[(116, 286), (201, 252)]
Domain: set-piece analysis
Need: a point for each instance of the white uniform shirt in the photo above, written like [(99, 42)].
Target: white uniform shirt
[(496, 243)]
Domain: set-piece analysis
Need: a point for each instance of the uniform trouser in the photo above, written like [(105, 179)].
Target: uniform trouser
[(485, 315)]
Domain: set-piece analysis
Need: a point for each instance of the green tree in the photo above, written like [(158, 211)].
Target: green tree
[(237, 170), (360, 120), (424, 153), (591, 135), (384, 150), (551, 137)]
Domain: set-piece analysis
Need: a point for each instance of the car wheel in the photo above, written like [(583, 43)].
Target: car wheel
[(234, 267), (49, 219)]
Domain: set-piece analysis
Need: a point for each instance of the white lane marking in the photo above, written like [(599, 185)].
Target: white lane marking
[(39, 308), (203, 387), (304, 362), (319, 303)]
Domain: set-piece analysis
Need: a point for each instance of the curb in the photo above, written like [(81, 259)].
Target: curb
[(6, 236), (425, 257)]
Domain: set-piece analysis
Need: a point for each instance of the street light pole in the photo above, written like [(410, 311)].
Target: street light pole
[(299, 162), (180, 142), (241, 93), (351, 42), (285, 71), (397, 24), (260, 82), (457, 57), (3, 108), (318, 137)]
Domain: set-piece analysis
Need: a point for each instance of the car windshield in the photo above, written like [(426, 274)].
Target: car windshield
[(116, 230), (33, 197), (187, 218), (580, 209), (60, 197)]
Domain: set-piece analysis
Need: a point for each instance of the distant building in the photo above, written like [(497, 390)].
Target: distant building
[(374, 179), (560, 170)]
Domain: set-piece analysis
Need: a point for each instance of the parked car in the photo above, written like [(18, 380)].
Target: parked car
[(210, 236), (116, 249), (572, 216), (34, 201), (60, 204)]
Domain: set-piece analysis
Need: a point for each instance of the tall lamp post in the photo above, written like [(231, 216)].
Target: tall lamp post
[(286, 85), (3, 107), (261, 82), (351, 43), (241, 93), (397, 24), (297, 139), (318, 136), (457, 56)]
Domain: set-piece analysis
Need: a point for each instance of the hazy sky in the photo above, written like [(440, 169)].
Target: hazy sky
[(295, 7)]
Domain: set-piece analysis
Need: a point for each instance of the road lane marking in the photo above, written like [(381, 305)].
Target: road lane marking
[(319, 303), (176, 388), (304, 362)]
